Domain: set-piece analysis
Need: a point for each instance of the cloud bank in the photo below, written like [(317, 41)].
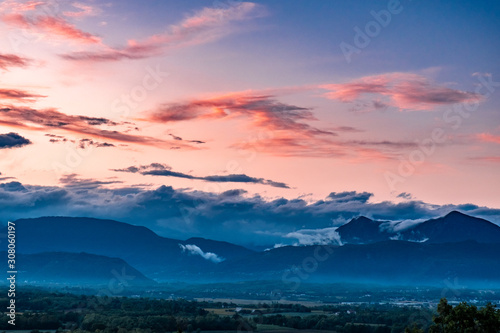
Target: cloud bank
[(229, 216)]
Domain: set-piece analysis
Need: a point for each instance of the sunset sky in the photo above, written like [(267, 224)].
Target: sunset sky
[(392, 106)]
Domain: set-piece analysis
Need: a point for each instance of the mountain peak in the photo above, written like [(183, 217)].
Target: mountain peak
[(361, 219), (456, 213)]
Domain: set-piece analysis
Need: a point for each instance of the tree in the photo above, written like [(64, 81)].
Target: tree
[(414, 329), (465, 318)]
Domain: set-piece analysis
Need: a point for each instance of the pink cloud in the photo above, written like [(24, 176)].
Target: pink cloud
[(18, 15), (18, 95), (60, 27), (19, 7), (490, 159), (263, 111), (486, 137), (204, 26), (405, 91), (285, 127), (84, 10), (52, 119), (12, 60)]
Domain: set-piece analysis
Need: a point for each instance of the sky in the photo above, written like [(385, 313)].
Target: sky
[(249, 121)]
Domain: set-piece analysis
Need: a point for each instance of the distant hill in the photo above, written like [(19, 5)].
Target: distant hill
[(153, 255), (77, 268), (454, 227)]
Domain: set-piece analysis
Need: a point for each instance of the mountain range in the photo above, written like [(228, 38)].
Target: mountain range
[(454, 227), (456, 246)]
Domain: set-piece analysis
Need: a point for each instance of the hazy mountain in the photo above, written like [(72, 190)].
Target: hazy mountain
[(456, 246), (77, 268), (153, 255), (388, 262)]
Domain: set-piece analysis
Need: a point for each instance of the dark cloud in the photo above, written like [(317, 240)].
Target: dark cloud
[(178, 138), (342, 197), (405, 195), (85, 143), (158, 169), (97, 121), (73, 181), (384, 143), (82, 143), (12, 187), (231, 216), (12, 140), (5, 178), (12, 60)]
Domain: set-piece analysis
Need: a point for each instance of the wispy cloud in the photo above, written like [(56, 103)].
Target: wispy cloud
[(24, 15), (158, 169), (195, 250), (324, 236), (206, 25), (73, 181), (82, 10), (50, 119), (405, 91), (19, 95), (12, 60)]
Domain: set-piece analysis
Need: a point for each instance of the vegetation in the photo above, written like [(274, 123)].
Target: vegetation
[(465, 318), (42, 310)]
